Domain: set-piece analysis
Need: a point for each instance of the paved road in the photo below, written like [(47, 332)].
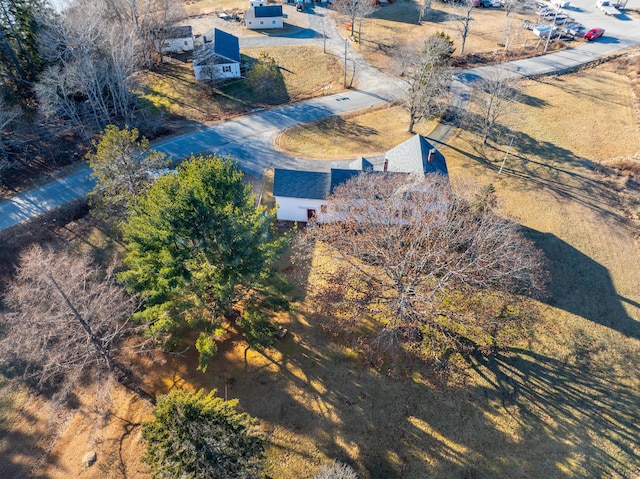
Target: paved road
[(248, 139)]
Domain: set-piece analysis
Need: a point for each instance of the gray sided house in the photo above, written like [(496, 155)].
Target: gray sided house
[(263, 17), (174, 39), (218, 59), (301, 195)]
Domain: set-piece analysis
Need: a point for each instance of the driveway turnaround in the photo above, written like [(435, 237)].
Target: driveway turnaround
[(249, 139)]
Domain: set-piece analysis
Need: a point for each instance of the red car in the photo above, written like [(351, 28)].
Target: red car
[(594, 33)]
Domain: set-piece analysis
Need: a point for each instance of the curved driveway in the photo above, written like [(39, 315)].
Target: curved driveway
[(248, 139)]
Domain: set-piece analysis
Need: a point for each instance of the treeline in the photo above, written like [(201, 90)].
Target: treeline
[(71, 70)]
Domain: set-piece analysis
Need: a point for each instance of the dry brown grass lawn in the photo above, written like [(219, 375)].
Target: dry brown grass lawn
[(561, 405), (173, 89), (349, 136), (396, 24)]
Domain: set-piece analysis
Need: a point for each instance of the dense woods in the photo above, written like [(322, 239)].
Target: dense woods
[(68, 74)]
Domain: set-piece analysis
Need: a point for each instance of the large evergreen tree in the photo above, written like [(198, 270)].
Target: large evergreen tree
[(200, 436), (20, 58), (196, 240)]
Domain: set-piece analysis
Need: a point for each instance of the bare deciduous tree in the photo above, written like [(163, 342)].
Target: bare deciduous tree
[(427, 75), (493, 97), (90, 80), (356, 10), (65, 318), (144, 19), (423, 7), (406, 260), (336, 470), (8, 114), (462, 19)]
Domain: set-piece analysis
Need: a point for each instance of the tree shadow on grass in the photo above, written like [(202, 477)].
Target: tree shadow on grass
[(560, 171), (339, 127), (581, 286), (590, 412), (20, 449), (410, 429)]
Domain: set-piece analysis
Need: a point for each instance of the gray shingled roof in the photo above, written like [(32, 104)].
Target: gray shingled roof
[(361, 164), (412, 156), (172, 33), (268, 11), (226, 45), (339, 177), (301, 184)]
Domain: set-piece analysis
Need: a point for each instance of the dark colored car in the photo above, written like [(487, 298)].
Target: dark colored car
[(594, 33)]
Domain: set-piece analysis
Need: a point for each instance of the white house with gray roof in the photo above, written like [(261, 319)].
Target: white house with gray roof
[(263, 17), (301, 195), (177, 39), (218, 59)]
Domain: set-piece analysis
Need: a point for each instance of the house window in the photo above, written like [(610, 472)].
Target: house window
[(226, 69), (323, 208), (185, 43), (273, 22), (311, 214), (261, 22)]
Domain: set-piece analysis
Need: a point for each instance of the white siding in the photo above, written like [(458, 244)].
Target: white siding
[(261, 23), (175, 45), (216, 72), (295, 209)]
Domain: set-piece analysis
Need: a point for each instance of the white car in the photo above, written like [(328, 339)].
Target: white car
[(544, 30)]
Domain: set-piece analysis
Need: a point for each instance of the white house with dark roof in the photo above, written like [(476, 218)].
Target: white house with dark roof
[(218, 59), (174, 39), (263, 17), (300, 195)]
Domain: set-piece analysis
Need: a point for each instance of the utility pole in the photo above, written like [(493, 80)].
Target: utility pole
[(546, 45), (346, 44), (506, 154)]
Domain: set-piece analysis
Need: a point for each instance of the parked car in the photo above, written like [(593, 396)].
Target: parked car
[(562, 19), (544, 10), (543, 30), (593, 34), (573, 28), (487, 3)]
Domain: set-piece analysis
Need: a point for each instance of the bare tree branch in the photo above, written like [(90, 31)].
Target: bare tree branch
[(65, 317), (415, 263)]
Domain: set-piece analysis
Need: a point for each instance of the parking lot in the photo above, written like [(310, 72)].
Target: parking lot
[(621, 30)]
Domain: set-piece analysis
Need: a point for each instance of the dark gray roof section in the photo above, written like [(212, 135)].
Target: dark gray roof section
[(226, 45), (361, 164), (301, 184), (171, 33), (412, 156), (339, 177), (268, 11)]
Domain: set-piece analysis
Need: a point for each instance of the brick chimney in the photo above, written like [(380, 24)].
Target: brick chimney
[(432, 155)]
